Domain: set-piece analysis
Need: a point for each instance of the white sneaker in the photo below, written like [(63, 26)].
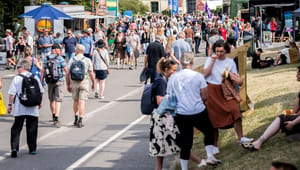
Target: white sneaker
[(202, 163), (216, 150), (246, 140), (213, 161), (101, 97)]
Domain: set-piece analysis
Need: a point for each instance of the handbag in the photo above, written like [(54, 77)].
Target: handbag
[(144, 76), (103, 60), (136, 53), (3, 110)]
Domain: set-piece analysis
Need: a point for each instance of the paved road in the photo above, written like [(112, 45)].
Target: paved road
[(115, 135)]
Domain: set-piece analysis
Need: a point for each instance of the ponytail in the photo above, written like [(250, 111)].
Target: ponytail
[(164, 64), (28, 51)]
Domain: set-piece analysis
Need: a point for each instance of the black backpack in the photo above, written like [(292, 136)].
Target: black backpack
[(77, 70), (31, 94), (52, 70)]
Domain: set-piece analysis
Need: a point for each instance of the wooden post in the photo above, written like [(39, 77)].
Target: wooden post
[(241, 53)]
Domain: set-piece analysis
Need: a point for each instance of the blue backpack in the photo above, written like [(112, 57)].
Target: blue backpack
[(34, 70), (77, 69)]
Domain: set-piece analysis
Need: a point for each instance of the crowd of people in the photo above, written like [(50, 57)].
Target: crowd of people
[(169, 45)]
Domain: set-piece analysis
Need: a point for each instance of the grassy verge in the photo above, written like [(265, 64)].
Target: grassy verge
[(272, 90)]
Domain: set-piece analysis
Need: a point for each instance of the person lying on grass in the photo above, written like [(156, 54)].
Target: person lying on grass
[(288, 123)]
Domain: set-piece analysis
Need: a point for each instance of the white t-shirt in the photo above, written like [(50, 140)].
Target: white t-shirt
[(285, 51), (15, 89), (218, 69), (9, 40), (29, 41), (186, 84)]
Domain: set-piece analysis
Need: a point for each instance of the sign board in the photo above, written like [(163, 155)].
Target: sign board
[(288, 19), (101, 8), (129, 14), (267, 38), (42, 24), (200, 5)]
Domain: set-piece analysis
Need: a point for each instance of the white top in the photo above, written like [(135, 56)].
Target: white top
[(15, 89), (98, 62), (285, 51), (29, 41), (99, 35), (218, 69), (9, 40), (186, 85)]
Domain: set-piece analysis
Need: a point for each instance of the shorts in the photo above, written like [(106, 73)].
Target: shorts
[(80, 89), (284, 118), (273, 30), (8, 55), (44, 55), (56, 91), (101, 74)]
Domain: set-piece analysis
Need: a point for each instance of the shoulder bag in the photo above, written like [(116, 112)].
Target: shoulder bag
[(103, 60)]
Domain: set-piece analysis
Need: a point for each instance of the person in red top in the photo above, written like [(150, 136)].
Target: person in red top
[(222, 31), (273, 28)]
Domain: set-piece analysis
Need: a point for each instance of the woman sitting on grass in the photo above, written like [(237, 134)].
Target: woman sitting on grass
[(283, 56), (290, 124)]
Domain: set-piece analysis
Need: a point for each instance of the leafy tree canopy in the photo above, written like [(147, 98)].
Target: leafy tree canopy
[(136, 6)]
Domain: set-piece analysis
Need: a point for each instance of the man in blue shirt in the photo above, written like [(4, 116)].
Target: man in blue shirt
[(69, 43), (236, 34), (87, 42), (45, 43), (55, 89)]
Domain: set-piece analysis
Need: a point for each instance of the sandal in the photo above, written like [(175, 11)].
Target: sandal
[(249, 146)]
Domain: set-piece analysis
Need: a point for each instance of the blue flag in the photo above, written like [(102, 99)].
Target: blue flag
[(174, 7)]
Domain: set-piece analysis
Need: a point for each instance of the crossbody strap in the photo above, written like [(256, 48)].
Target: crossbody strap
[(102, 58)]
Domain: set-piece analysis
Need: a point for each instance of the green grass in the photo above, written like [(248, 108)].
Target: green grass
[(272, 90)]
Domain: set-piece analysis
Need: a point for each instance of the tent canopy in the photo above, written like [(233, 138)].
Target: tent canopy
[(297, 13)]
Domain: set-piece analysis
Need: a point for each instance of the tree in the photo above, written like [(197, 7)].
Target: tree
[(136, 6)]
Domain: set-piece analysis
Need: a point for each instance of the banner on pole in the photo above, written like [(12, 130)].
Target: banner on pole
[(288, 19), (174, 7)]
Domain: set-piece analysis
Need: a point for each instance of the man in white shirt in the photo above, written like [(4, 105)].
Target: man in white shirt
[(9, 48), (22, 112), (29, 39)]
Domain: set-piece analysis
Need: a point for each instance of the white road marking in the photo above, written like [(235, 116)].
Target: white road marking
[(9, 75), (102, 145), (87, 116)]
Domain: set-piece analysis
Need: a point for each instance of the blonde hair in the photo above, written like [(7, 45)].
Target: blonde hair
[(187, 59), (164, 64), (28, 51), (80, 48)]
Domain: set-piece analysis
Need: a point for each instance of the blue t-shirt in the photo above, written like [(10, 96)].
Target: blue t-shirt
[(60, 64), (45, 40), (57, 41), (236, 30), (87, 43), (70, 44)]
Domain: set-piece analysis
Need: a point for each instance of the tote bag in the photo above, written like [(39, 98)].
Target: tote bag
[(2, 105)]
